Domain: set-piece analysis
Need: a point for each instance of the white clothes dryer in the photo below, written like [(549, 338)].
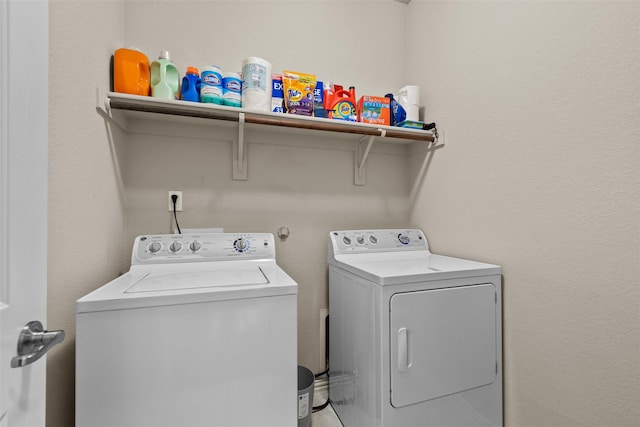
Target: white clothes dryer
[(201, 331), (415, 339)]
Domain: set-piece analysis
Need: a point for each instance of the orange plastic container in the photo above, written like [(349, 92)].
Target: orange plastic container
[(343, 106), (131, 72)]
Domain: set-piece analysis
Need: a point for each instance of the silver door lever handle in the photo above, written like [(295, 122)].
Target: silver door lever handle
[(34, 342)]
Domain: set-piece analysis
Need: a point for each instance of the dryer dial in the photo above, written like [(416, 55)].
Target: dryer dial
[(404, 239), (195, 246)]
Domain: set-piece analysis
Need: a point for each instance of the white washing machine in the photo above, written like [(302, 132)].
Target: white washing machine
[(201, 331), (415, 339)]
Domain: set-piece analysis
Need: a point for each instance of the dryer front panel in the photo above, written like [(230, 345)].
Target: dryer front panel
[(442, 341)]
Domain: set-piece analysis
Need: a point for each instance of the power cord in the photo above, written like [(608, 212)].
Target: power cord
[(432, 127), (174, 199), (326, 371), (325, 404)]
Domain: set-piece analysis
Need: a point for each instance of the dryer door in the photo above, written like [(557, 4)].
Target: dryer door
[(443, 341)]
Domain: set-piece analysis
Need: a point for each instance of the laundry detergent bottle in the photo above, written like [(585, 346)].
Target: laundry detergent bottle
[(398, 115), (191, 85), (131, 72), (165, 78), (343, 106)]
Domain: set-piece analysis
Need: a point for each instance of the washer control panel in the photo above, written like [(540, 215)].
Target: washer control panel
[(388, 240), (168, 248)]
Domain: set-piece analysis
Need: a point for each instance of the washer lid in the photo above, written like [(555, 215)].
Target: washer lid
[(161, 285), (391, 268), (173, 281)]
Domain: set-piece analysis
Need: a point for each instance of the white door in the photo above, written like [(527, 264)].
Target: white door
[(443, 341), (23, 208)]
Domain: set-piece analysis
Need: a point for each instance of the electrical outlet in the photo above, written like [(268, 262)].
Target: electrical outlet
[(178, 202)]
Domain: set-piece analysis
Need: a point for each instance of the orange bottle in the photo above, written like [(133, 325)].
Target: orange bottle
[(343, 106), (131, 72)]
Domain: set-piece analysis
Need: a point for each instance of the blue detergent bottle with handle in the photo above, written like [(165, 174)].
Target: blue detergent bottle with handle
[(191, 85), (165, 79), (398, 115)]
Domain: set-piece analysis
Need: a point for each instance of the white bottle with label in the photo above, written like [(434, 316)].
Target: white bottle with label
[(409, 97)]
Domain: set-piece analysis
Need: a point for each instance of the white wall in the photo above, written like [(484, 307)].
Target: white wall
[(295, 180), (540, 102), (119, 185), (344, 41), (86, 212)]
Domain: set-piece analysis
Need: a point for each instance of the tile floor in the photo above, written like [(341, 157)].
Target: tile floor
[(326, 417)]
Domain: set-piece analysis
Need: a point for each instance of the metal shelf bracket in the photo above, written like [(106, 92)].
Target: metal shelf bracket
[(103, 106), (360, 172), (240, 152)]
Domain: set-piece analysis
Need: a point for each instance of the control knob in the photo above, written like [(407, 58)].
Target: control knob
[(346, 240), (404, 239), (241, 244), (195, 246), (155, 247), (373, 239), (175, 246), (360, 240)]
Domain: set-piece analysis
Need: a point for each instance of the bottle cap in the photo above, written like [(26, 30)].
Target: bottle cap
[(193, 70), (165, 55)]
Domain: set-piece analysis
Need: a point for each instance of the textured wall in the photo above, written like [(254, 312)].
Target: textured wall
[(292, 182), (105, 190), (86, 211), (540, 102)]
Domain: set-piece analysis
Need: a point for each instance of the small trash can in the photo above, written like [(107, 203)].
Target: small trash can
[(305, 396)]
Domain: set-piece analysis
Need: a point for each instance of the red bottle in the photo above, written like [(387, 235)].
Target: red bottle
[(343, 106)]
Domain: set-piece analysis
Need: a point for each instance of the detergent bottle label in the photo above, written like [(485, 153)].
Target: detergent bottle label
[(344, 110)]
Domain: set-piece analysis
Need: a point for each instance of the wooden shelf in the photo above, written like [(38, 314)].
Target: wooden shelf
[(110, 102)]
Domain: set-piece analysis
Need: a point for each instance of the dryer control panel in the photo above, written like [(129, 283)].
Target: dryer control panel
[(388, 240), (174, 248)]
